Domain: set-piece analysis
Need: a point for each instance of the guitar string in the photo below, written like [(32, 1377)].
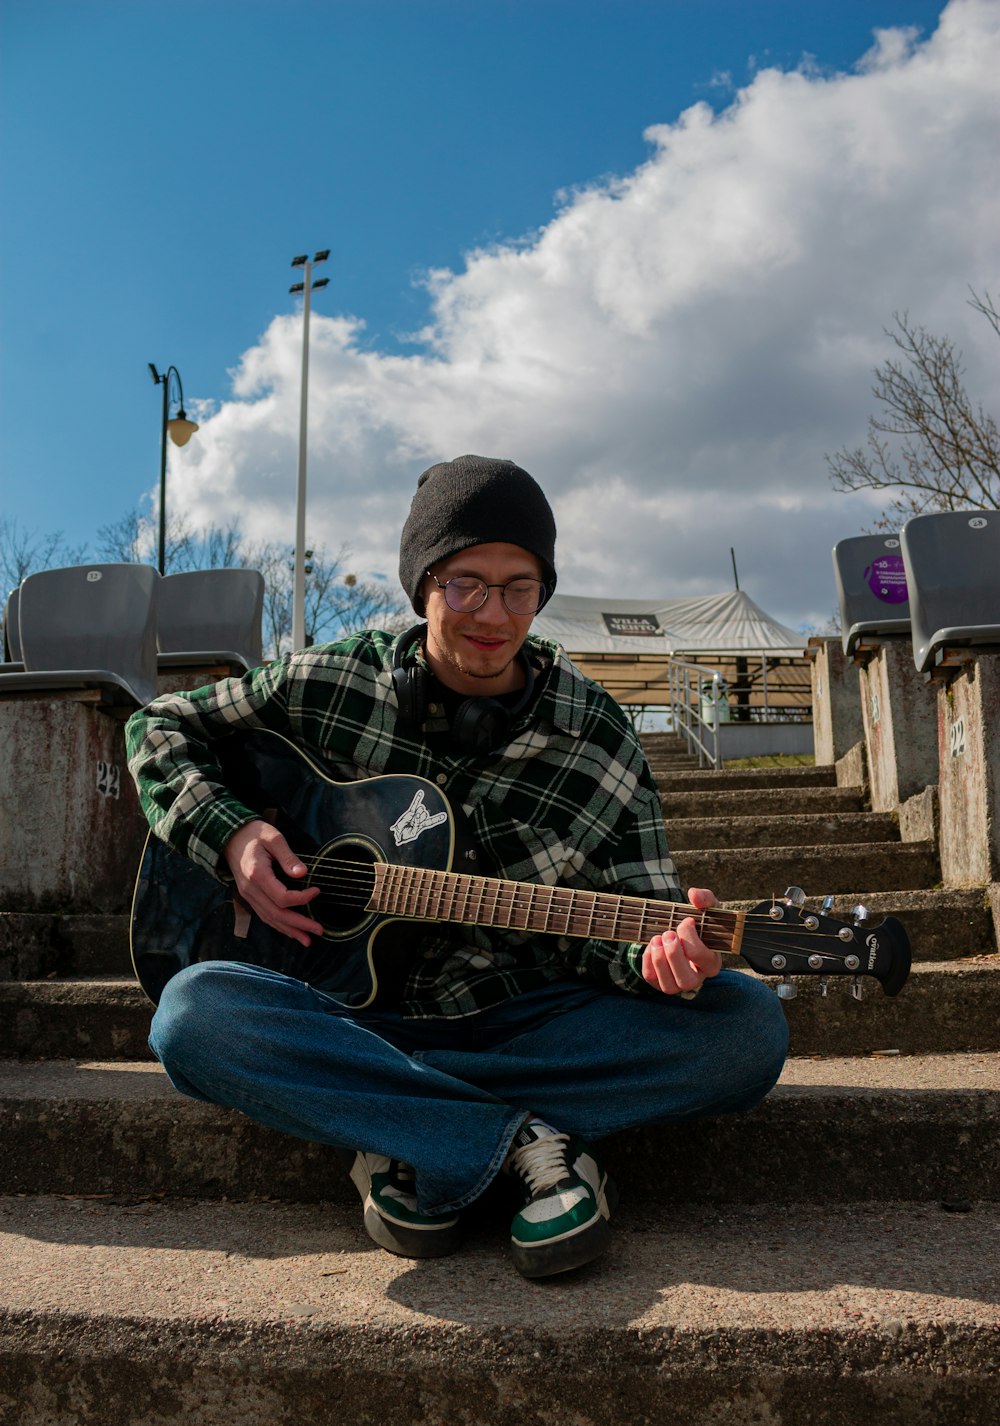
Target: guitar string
[(361, 877), (720, 920)]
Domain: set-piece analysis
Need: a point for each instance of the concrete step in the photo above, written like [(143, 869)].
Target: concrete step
[(852, 868), (37, 944), (945, 1006), (749, 801), (705, 780), (778, 830), (139, 1313), (833, 1131)]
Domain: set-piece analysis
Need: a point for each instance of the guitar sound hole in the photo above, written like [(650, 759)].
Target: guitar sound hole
[(346, 873)]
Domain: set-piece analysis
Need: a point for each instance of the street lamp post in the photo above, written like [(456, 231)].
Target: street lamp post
[(180, 430), (306, 287)]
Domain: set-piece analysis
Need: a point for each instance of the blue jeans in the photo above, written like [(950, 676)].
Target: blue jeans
[(447, 1096)]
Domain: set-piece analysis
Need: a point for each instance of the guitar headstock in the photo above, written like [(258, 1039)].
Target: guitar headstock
[(782, 937)]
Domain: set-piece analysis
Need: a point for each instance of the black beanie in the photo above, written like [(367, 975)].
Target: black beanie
[(474, 500)]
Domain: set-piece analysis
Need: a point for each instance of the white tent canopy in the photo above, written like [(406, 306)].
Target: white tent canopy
[(710, 624)]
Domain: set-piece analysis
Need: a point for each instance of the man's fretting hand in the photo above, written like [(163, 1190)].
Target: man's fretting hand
[(251, 854), (678, 962)]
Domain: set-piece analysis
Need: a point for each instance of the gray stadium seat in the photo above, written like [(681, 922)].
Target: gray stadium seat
[(88, 627), (12, 631), (210, 616), (953, 571), (872, 589)]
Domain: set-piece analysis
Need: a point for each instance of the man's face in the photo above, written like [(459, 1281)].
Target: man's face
[(474, 653)]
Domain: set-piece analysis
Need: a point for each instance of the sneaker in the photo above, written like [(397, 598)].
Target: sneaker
[(392, 1218), (568, 1199)]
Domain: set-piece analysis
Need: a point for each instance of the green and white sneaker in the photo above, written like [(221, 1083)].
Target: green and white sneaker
[(568, 1200), (392, 1218)]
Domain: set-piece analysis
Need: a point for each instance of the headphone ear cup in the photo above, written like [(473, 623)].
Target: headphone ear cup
[(409, 680), (410, 688), (479, 725)]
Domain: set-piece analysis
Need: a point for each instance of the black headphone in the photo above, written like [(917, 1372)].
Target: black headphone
[(479, 725)]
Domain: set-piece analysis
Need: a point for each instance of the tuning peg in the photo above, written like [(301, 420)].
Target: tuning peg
[(856, 988), (823, 986), (786, 988), (795, 896), (827, 906), (860, 913)]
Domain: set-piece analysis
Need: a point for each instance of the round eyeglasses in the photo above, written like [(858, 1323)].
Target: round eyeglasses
[(464, 594)]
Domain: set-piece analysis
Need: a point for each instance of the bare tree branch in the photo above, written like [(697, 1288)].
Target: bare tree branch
[(928, 443)]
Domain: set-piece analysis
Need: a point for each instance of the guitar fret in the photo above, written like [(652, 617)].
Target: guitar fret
[(424, 884), (482, 889)]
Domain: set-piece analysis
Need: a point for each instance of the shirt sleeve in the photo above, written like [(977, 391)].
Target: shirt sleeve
[(173, 760)]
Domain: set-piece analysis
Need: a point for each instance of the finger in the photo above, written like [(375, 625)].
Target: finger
[(666, 967), (705, 961), (283, 919), (702, 899), (290, 862)]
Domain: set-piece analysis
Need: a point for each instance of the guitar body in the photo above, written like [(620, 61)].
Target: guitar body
[(182, 915)]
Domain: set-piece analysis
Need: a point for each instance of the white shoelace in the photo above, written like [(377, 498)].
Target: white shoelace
[(541, 1163)]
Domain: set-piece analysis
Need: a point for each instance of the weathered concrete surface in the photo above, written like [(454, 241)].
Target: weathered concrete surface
[(71, 833), (852, 769), (34, 945), (834, 1130), (764, 801), (759, 872), (778, 829), (207, 1314), (948, 1006), (900, 725), (968, 710), (699, 779), (836, 700), (918, 817)]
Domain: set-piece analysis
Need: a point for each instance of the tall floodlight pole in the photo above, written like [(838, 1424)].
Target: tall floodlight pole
[(306, 287)]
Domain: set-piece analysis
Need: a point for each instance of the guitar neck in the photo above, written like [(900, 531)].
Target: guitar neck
[(422, 894)]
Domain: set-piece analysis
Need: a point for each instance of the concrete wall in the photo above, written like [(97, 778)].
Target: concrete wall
[(836, 701), (759, 740), (968, 713), (71, 832), (900, 725)]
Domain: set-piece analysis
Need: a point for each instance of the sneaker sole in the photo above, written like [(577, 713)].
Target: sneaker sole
[(573, 1251), (410, 1242), (398, 1238), (562, 1256)]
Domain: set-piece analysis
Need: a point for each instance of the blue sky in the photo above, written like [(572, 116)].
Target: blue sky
[(162, 163)]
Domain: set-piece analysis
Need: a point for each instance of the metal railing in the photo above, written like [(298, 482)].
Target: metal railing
[(688, 702)]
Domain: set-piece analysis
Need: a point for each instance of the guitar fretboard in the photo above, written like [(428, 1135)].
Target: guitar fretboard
[(423, 894)]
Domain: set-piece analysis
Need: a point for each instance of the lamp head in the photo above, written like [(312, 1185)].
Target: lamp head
[(181, 429)]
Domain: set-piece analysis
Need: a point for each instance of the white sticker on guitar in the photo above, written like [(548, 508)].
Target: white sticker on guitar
[(415, 821)]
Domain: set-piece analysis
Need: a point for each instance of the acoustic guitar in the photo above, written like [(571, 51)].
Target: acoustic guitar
[(390, 851)]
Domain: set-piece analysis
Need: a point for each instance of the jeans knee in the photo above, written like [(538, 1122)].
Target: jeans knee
[(187, 1015)]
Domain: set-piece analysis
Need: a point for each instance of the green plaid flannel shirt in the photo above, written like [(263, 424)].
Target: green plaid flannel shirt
[(569, 800)]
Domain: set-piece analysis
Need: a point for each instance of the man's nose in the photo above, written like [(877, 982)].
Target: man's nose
[(492, 610)]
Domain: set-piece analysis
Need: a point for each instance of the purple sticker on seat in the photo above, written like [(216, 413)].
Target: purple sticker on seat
[(886, 578)]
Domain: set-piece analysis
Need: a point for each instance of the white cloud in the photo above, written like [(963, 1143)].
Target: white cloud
[(673, 354)]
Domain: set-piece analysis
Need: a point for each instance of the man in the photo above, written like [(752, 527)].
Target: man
[(505, 1053)]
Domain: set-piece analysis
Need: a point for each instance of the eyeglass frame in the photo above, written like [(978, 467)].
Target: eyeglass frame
[(486, 586)]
